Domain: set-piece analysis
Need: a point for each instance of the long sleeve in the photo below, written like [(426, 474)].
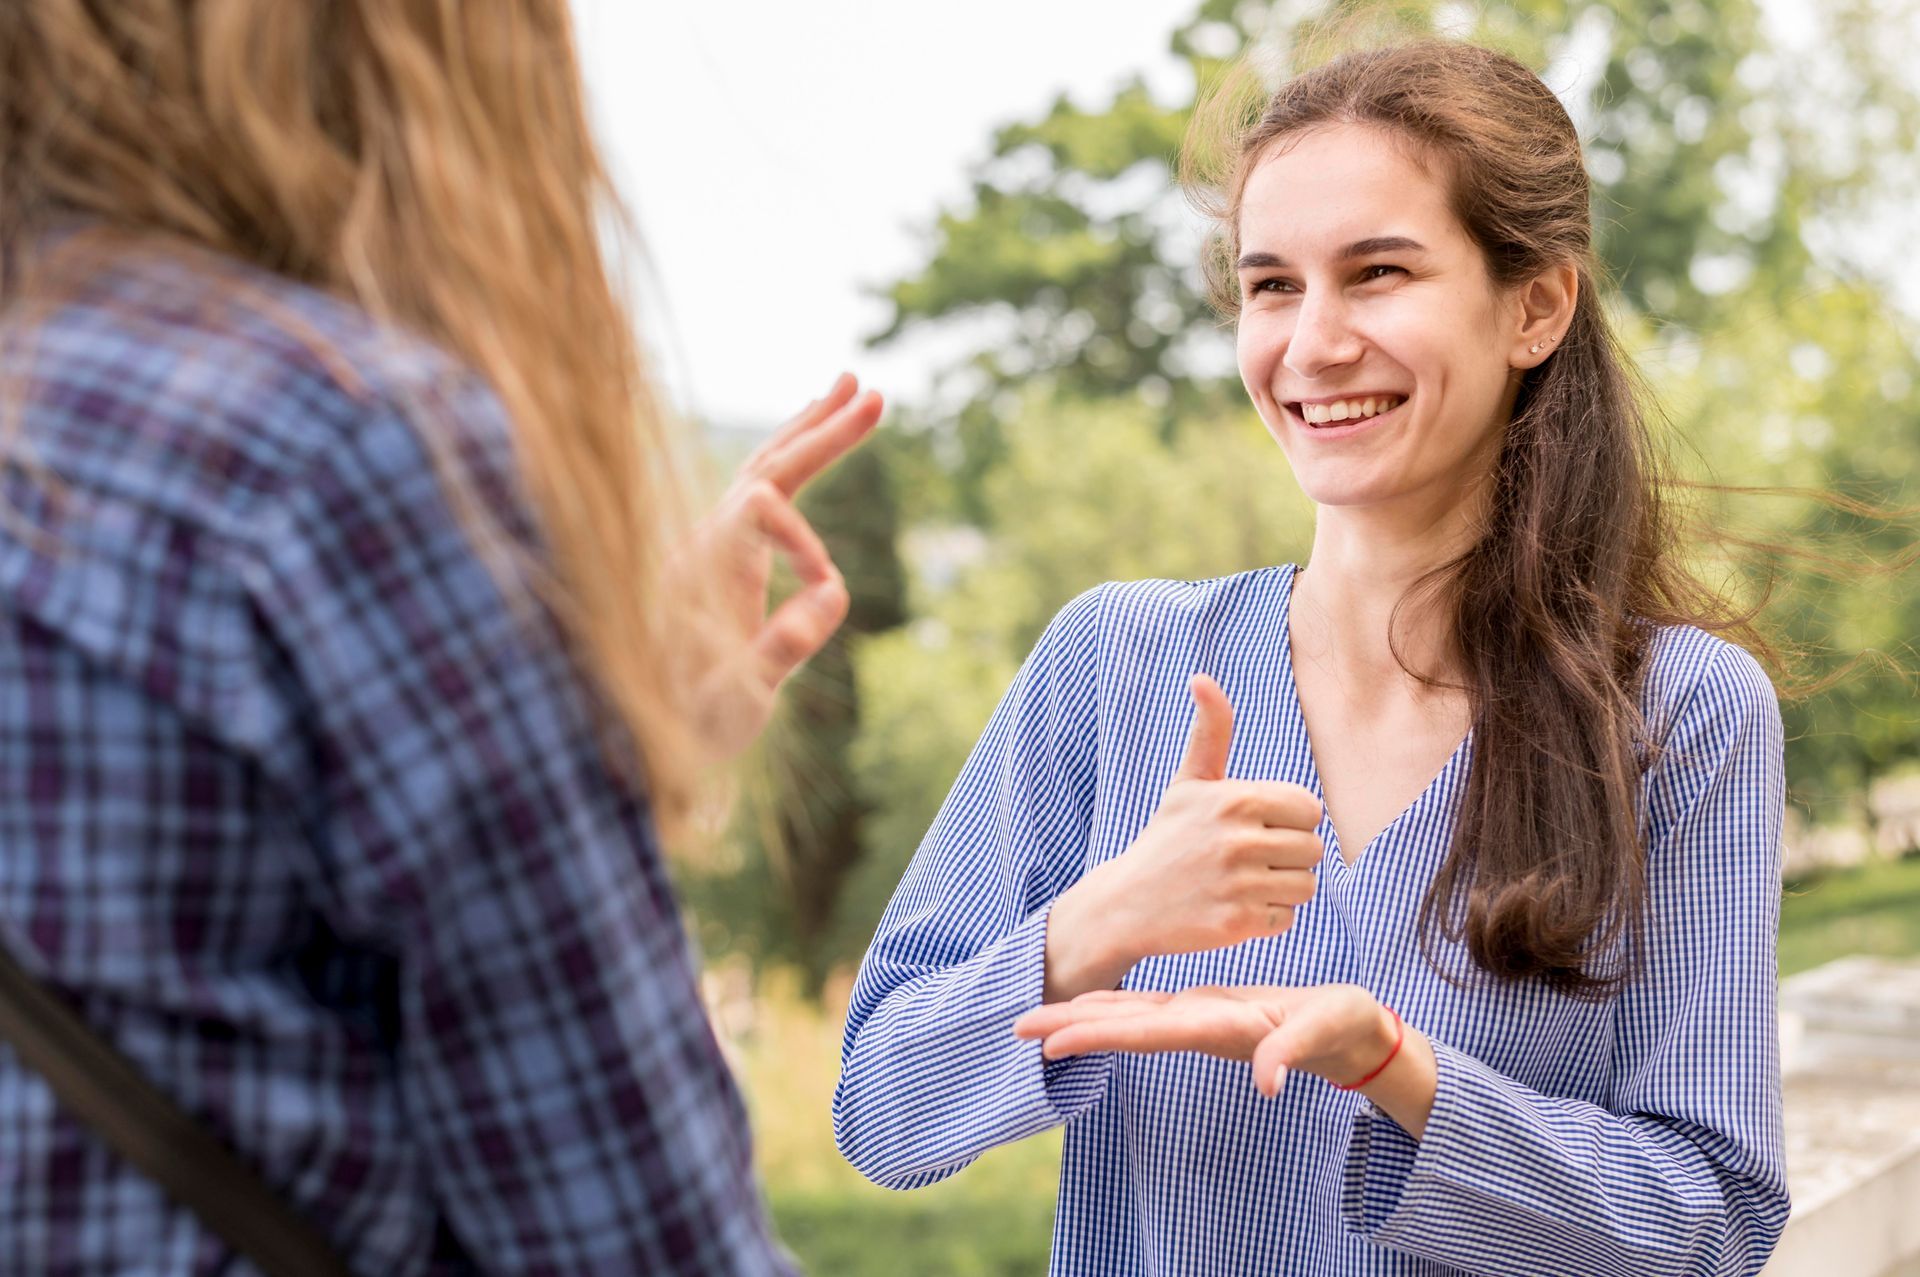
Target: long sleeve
[(1683, 1172), (570, 1107), (931, 1074)]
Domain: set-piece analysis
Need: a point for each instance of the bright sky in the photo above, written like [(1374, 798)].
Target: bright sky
[(784, 156)]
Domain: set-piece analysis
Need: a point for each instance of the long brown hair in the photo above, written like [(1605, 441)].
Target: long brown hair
[(431, 161), (1551, 611)]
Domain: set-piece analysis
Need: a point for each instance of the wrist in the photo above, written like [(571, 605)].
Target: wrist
[(1378, 1049), (1406, 1088), (1082, 954)]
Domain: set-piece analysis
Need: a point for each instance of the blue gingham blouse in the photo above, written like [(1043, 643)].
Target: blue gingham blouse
[(301, 818), (1635, 1136)]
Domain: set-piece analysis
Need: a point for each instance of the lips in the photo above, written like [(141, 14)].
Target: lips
[(1337, 429)]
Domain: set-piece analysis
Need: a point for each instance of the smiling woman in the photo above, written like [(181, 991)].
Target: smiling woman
[(1469, 827), (1447, 258)]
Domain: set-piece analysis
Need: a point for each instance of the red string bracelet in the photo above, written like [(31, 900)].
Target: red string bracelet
[(1399, 1036)]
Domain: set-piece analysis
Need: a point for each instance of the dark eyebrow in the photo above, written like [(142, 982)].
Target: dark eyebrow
[(1359, 248)]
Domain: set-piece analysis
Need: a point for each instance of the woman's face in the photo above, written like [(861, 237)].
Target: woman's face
[(1360, 291)]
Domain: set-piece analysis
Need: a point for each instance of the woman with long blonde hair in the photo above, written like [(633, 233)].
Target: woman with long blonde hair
[(355, 643)]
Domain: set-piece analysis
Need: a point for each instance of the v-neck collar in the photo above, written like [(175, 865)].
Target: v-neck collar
[(1329, 835)]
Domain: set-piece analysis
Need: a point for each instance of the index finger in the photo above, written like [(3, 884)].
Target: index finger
[(1279, 804), (802, 624), (1054, 1016), (780, 521)]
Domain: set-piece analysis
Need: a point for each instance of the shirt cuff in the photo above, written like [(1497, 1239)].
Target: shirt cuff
[(1076, 1083), (1388, 1173)]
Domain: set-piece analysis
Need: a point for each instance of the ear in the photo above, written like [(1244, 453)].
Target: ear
[(1543, 310)]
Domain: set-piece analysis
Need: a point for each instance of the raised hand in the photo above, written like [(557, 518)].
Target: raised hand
[(1221, 861), (1338, 1031), (738, 669)]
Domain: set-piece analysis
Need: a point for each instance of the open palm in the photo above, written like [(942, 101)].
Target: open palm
[(1314, 1028)]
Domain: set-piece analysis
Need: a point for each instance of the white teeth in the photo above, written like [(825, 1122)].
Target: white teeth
[(1348, 409)]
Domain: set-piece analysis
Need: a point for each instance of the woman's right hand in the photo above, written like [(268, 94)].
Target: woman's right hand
[(739, 658), (1221, 861)]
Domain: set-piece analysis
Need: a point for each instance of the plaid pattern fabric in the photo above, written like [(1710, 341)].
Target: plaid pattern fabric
[(301, 816), (1631, 1136)]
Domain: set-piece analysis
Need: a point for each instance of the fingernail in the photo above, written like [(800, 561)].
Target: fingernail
[(1279, 1079)]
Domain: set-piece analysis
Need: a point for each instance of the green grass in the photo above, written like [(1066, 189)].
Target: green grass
[(995, 1218), (1874, 909)]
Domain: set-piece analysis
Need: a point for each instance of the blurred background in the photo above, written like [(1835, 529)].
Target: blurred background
[(973, 207)]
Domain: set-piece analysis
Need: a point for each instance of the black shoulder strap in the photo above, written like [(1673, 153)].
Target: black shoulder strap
[(147, 1128)]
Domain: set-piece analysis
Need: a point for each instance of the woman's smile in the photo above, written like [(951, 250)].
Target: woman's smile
[(1357, 415)]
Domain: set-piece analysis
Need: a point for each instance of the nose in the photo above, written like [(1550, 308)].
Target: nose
[(1323, 337)]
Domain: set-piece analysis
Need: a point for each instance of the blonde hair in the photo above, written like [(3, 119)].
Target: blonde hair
[(431, 161)]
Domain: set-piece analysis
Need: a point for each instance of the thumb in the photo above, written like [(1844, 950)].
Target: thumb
[(1272, 1061), (1210, 736)]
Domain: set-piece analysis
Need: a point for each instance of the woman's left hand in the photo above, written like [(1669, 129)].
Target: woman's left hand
[(1338, 1031)]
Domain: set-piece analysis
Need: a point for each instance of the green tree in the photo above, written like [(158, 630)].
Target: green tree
[(1713, 153)]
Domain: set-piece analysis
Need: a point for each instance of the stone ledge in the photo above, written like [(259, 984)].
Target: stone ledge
[(1850, 1047)]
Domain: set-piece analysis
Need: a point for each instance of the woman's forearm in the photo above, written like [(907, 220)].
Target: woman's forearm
[(903, 1113)]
